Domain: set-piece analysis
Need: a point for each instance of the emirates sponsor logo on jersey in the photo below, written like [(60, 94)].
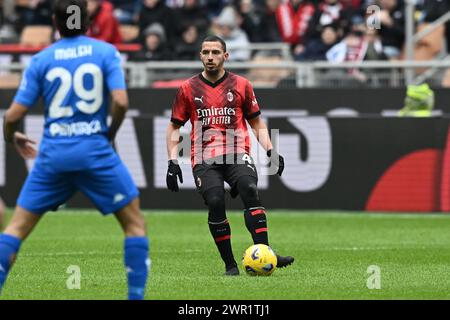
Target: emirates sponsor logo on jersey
[(213, 115)]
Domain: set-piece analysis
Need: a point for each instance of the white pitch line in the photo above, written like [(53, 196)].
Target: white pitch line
[(75, 253), (374, 248), (95, 253)]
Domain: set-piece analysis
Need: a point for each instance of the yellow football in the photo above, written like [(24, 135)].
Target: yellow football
[(259, 260)]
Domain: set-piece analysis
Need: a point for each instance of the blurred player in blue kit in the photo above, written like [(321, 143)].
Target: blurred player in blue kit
[(75, 76)]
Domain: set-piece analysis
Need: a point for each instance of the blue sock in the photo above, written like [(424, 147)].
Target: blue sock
[(9, 245), (137, 264)]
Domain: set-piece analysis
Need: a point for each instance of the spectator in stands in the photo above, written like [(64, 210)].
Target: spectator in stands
[(155, 45), (188, 47), (174, 3), (354, 5), (191, 13), (362, 43), (36, 12), (293, 17), (215, 7), (127, 11), (8, 20), (250, 16), (269, 31), (392, 31), (329, 11), (156, 11), (226, 27), (316, 49), (104, 25)]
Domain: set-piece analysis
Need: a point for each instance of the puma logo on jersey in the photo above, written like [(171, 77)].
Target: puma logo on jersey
[(199, 99)]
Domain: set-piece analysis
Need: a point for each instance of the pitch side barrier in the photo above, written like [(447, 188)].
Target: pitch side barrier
[(337, 156)]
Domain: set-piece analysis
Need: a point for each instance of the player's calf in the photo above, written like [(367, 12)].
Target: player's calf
[(136, 249), (18, 229), (256, 223), (255, 214), (9, 246), (138, 265), (219, 226)]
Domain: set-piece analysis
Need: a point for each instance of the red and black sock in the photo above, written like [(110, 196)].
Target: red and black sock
[(218, 224), (256, 223), (221, 233)]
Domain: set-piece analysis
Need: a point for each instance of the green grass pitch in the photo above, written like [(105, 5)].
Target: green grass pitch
[(333, 251)]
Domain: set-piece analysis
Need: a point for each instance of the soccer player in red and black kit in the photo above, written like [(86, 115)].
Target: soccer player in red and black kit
[(218, 103)]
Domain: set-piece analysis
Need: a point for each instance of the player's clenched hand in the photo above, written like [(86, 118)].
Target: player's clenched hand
[(276, 160), (173, 172), (24, 146)]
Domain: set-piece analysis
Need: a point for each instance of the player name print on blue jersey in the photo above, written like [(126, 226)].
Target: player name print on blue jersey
[(75, 129), (73, 53)]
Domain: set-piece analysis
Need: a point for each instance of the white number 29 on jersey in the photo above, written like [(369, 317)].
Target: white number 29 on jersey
[(90, 100)]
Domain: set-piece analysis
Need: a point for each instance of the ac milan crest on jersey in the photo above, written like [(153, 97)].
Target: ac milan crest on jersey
[(230, 96)]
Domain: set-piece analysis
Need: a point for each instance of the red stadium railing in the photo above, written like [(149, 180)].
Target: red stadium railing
[(21, 49)]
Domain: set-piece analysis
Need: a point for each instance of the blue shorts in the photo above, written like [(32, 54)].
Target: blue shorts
[(110, 187)]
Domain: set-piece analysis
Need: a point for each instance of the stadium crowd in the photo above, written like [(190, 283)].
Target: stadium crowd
[(333, 30)]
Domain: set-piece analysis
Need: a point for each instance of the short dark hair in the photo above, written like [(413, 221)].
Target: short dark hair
[(62, 16), (216, 39)]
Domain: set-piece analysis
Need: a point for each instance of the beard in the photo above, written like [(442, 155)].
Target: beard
[(214, 71)]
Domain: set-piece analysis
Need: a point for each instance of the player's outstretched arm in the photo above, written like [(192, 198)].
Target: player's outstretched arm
[(262, 134), (119, 108), (11, 121), (173, 171)]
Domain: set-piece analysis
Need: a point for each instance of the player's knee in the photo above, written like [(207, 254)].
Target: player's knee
[(216, 202), (132, 220), (136, 227), (215, 199), (248, 188)]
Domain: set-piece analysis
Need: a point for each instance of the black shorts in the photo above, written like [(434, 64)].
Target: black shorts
[(214, 172)]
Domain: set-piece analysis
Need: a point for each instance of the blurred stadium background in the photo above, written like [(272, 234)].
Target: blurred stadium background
[(337, 77)]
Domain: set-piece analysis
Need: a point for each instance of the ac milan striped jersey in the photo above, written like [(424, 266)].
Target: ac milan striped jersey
[(217, 112)]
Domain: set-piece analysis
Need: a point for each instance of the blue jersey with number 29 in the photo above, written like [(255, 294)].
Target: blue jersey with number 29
[(75, 77)]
